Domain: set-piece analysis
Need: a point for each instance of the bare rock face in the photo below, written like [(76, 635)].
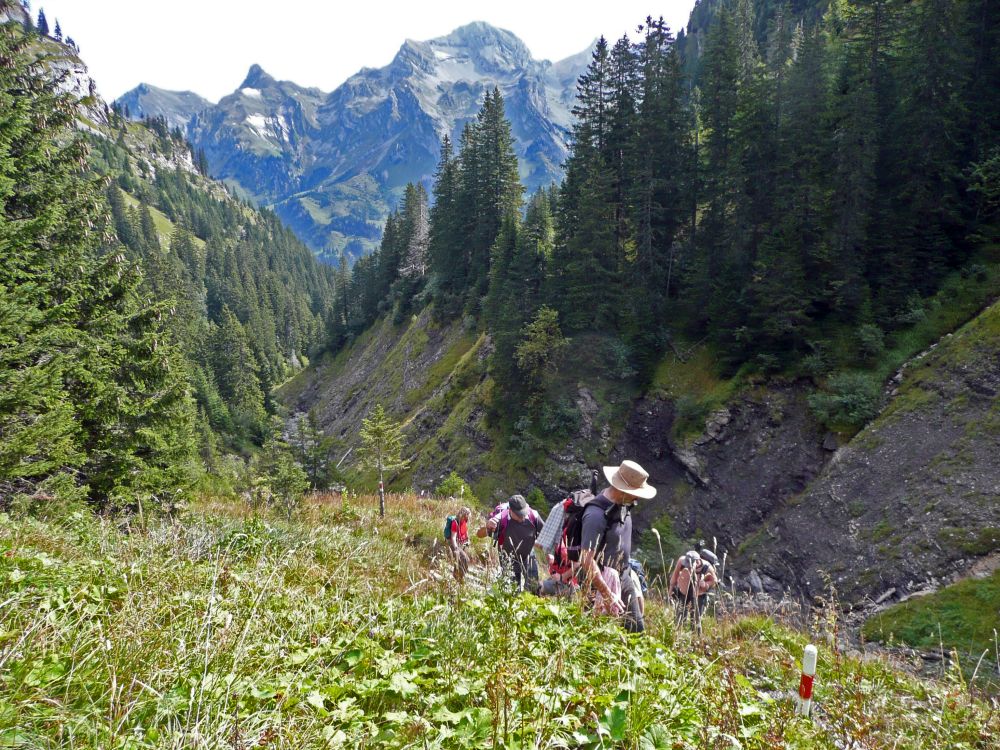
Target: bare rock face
[(689, 461), (588, 409), (915, 496), (909, 503), (716, 424)]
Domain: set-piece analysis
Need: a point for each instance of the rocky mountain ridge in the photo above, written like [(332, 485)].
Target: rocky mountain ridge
[(177, 107), (333, 164)]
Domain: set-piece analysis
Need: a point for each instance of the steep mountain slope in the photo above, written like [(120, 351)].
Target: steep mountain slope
[(914, 497), (333, 164), (903, 503), (177, 107)]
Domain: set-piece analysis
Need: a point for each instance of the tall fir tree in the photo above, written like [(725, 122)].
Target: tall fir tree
[(95, 398), (661, 156)]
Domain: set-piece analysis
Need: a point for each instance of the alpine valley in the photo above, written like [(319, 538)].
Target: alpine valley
[(254, 352)]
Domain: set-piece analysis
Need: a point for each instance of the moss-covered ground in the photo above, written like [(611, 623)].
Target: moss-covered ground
[(963, 617)]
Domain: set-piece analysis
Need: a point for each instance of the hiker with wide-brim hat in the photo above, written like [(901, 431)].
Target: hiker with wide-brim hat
[(606, 540)]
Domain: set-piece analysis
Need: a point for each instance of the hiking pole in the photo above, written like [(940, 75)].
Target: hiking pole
[(721, 580), (663, 561), (696, 585), (806, 681), (344, 458)]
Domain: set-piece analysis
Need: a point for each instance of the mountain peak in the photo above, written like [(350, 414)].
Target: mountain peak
[(176, 106), (486, 41), (485, 49), (256, 78), (480, 30)]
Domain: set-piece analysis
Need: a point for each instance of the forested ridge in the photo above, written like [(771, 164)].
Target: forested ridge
[(249, 299), (794, 204), (146, 313)]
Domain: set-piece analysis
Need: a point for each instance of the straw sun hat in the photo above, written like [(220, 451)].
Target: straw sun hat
[(630, 478)]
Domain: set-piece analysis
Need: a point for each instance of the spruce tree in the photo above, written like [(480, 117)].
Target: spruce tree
[(586, 280), (492, 177), (95, 392), (235, 370), (661, 155), (445, 238), (929, 132), (711, 278), (382, 444)]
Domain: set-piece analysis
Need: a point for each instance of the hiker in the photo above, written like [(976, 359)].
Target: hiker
[(560, 540), (562, 579), (640, 573), (514, 527), (456, 533), (692, 578), (606, 542)]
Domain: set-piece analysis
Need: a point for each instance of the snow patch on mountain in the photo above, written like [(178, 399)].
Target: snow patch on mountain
[(258, 123)]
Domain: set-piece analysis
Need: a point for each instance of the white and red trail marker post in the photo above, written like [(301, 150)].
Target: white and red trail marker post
[(806, 681)]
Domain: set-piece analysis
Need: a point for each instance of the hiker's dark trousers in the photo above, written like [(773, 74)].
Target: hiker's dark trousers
[(523, 569), (632, 596)]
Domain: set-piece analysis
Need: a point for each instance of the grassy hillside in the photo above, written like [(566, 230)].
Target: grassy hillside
[(229, 630), (963, 618)]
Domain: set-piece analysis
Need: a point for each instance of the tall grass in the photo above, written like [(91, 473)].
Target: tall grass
[(229, 630)]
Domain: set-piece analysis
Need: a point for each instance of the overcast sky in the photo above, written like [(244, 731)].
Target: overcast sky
[(207, 46)]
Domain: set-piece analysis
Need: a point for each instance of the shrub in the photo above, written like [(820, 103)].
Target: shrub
[(619, 360), (560, 419), (690, 414), (454, 486), (871, 342), (914, 312), (523, 441), (536, 499), (976, 271), (278, 480), (767, 363), (852, 399)]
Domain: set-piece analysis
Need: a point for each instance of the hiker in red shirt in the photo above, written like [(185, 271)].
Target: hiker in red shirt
[(562, 574), (456, 533)]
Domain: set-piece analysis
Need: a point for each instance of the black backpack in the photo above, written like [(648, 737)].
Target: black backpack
[(573, 507)]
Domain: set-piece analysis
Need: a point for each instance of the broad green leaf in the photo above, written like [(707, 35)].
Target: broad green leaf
[(616, 722), (316, 700), (400, 683), (656, 738)]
